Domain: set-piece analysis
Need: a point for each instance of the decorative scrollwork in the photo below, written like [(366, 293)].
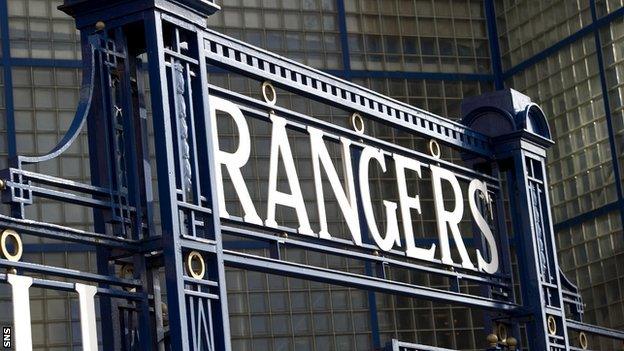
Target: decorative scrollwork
[(86, 95), (539, 230), (183, 132)]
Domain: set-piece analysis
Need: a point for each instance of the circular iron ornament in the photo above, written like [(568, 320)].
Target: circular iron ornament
[(358, 123), (552, 325), (192, 257), (583, 340), (9, 234), (268, 93), (434, 148), (501, 330)]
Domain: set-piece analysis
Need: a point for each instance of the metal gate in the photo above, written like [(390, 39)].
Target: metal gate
[(147, 69)]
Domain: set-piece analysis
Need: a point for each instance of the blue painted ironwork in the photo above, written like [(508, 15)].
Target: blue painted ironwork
[(166, 43), (522, 136), (38, 62), (293, 76), (31, 62), (396, 345)]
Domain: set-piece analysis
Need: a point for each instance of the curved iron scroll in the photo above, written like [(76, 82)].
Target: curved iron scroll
[(86, 96)]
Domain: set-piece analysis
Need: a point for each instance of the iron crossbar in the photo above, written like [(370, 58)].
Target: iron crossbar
[(330, 276), (596, 330), (55, 231), (170, 35), (396, 345), (345, 248)]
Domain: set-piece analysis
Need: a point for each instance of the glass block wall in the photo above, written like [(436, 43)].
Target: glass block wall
[(306, 31), (422, 35), (612, 42), (429, 53), (530, 27)]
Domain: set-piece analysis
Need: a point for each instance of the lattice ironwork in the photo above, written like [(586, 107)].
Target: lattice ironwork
[(167, 44)]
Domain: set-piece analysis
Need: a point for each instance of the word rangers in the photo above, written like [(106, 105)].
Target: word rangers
[(346, 195)]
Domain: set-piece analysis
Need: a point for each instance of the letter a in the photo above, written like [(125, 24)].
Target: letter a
[(281, 146)]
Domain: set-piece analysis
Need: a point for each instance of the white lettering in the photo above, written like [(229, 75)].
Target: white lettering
[(345, 196), (407, 204), (20, 286), (233, 162), (88, 326), (392, 226), (492, 266), (281, 146), (21, 311), (451, 217)]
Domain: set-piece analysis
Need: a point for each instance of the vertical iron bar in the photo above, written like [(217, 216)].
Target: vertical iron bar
[(99, 166), (532, 295), (216, 268), (133, 177), (167, 185)]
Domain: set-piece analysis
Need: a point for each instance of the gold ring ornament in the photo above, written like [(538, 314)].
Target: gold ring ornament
[(552, 325), (195, 257), (268, 93), (501, 330), (434, 148), (16, 255), (358, 123), (583, 340)]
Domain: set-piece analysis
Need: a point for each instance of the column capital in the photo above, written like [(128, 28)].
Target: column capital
[(509, 118), (88, 12)]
